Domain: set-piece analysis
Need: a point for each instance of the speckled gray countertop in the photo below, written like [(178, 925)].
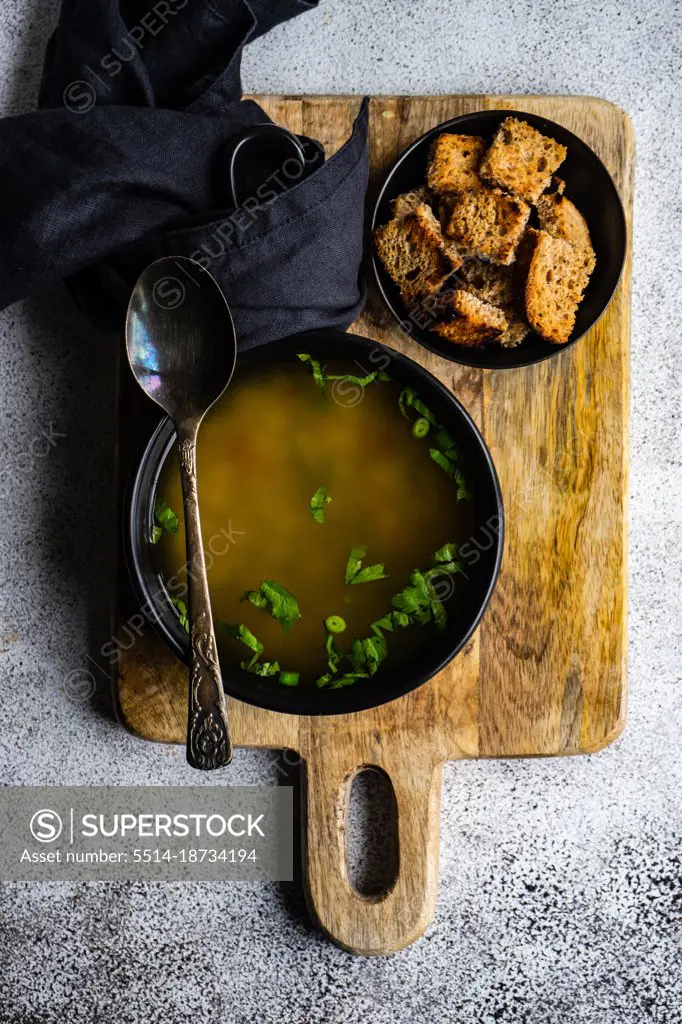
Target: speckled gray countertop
[(560, 892)]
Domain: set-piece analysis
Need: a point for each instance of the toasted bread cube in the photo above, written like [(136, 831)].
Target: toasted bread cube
[(487, 224), (409, 201), (521, 160), (470, 321), (488, 281), (453, 163), (559, 217), (555, 284), (415, 254), (494, 284), (517, 329)]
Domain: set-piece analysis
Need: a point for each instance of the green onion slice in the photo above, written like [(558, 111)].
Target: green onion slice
[(421, 427), (261, 668), (245, 636), (335, 624), (316, 369)]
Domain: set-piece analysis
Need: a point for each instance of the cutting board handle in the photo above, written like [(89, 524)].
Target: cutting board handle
[(371, 925)]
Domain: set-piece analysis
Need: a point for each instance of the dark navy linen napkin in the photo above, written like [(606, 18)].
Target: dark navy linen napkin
[(125, 162)]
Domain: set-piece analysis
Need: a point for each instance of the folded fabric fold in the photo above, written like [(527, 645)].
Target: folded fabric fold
[(124, 163)]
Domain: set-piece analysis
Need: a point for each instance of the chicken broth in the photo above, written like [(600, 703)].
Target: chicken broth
[(281, 442)]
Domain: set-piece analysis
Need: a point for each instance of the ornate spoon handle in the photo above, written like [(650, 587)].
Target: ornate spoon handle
[(208, 733)]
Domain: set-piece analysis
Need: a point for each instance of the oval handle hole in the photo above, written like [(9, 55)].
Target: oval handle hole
[(372, 847)]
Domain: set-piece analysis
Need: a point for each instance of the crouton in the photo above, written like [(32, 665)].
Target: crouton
[(555, 284), (560, 218), (470, 321), (521, 160), (409, 201), (495, 284), (488, 281), (453, 163), (415, 254), (517, 329), (486, 224)]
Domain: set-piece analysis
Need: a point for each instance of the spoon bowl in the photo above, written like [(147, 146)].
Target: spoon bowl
[(182, 349), (180, 336)]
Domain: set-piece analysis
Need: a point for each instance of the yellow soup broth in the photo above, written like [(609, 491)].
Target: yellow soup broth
[(264, 450)]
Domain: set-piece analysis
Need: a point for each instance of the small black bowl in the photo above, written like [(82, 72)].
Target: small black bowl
[(588, 184), (481, 557)]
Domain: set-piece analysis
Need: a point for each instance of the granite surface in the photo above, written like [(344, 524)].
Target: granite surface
[(560, 894)]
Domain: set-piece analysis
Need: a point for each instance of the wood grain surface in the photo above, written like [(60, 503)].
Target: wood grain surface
[(545, 672)]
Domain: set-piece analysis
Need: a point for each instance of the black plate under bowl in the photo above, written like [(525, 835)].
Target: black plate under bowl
[(588, 184), (481, 560)]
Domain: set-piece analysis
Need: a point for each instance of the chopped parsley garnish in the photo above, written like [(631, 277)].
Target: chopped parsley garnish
[(355, 573), (166, 519), (366, 655), (276, 599), (330, 682), (418, 603), (255, 666), (394, 620), (415, 599), (448, 553), (415, 604), (182, 612), (316, 507)]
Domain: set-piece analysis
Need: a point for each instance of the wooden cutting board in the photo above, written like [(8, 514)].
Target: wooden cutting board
[(545, 673)]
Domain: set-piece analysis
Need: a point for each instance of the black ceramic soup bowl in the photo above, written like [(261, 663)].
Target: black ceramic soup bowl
[(588, 185), (480, 558)]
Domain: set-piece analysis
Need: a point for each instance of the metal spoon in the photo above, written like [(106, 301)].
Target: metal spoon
[(182, 349)]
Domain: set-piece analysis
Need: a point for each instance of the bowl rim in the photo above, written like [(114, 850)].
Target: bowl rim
[(157, 607), (457, 354)]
